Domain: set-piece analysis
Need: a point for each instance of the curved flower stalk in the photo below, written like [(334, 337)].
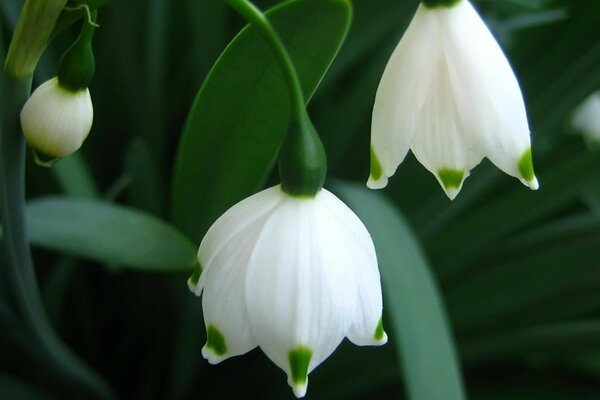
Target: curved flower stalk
[(586, 118), (293, 275), (56, 120), (449, 94)]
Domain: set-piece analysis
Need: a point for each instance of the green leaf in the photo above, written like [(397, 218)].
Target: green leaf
[(238, 120), (560, 186), (539, 285), (424, 340), (108, 233), (144, 191), (563, 338), (75, 178), (14, 388)]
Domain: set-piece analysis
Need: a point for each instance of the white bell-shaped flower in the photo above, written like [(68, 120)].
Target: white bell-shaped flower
[(56, 120), (586, 118), (449, 94), (293, 275)]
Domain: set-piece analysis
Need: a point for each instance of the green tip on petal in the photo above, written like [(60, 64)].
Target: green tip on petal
[(451, 180), (526, 170), (380, 335), (440, 3), (299, 360), (195, 277), (43, 159), (376, 178), (215, 340), (376, 169)]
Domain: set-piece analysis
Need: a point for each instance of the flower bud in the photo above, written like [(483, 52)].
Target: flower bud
[(55, 120)]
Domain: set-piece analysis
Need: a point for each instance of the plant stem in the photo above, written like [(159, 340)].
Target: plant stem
[(302, 158), (260, 22), (17, 265)]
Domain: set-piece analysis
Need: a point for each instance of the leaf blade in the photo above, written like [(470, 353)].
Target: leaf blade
[(425, 343), (108, 233)]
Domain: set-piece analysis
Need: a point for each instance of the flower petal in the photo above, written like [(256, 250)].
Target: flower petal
[(440, 144), (586, 117), (224, 253), (488, 98), (223, 300), (400, 96), (231, 223), (298, 291), (364, 328)]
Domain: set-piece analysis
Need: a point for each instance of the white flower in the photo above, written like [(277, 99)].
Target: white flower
[(449, 94), (293, 275), (586, 117), (55, 120)]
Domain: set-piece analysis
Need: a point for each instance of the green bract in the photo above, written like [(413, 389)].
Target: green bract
[(77, 65)]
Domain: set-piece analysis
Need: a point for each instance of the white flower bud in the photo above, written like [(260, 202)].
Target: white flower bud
[(55, 120)]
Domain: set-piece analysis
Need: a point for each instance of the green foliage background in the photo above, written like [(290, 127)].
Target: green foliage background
[(514, 274)]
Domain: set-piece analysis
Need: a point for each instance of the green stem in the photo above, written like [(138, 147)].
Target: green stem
[(260, 22), (18, 266), (302, 158)]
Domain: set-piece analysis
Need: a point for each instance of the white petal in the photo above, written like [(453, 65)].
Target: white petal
[(365, 328), (586, 117), (232, 222), (223, 299), (56, 121), (401, 94), (299, 288), (224, 253), (440, 144), (488, 98)]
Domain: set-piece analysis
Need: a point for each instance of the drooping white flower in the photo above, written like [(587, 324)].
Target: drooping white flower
[(293, 275), (449, 94), (586, 118), (56, 120)]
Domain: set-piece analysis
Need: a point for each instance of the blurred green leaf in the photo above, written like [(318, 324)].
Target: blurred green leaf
[(144, 190), (528, 288), (549, 340), (74, 177), (14, 388), (239, 118), (424, 340), (108, 233), (506, 213)]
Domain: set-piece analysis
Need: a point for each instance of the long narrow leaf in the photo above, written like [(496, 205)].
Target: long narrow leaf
[(423, 337), (108, 233)]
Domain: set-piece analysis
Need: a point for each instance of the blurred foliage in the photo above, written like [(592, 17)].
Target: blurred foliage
[(519, 271)]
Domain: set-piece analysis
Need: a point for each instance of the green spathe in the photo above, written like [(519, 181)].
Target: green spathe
[(77, 65), (526, 166), (215, 340), (451, 178), (440, 3), (299, 359), (302, 159)]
